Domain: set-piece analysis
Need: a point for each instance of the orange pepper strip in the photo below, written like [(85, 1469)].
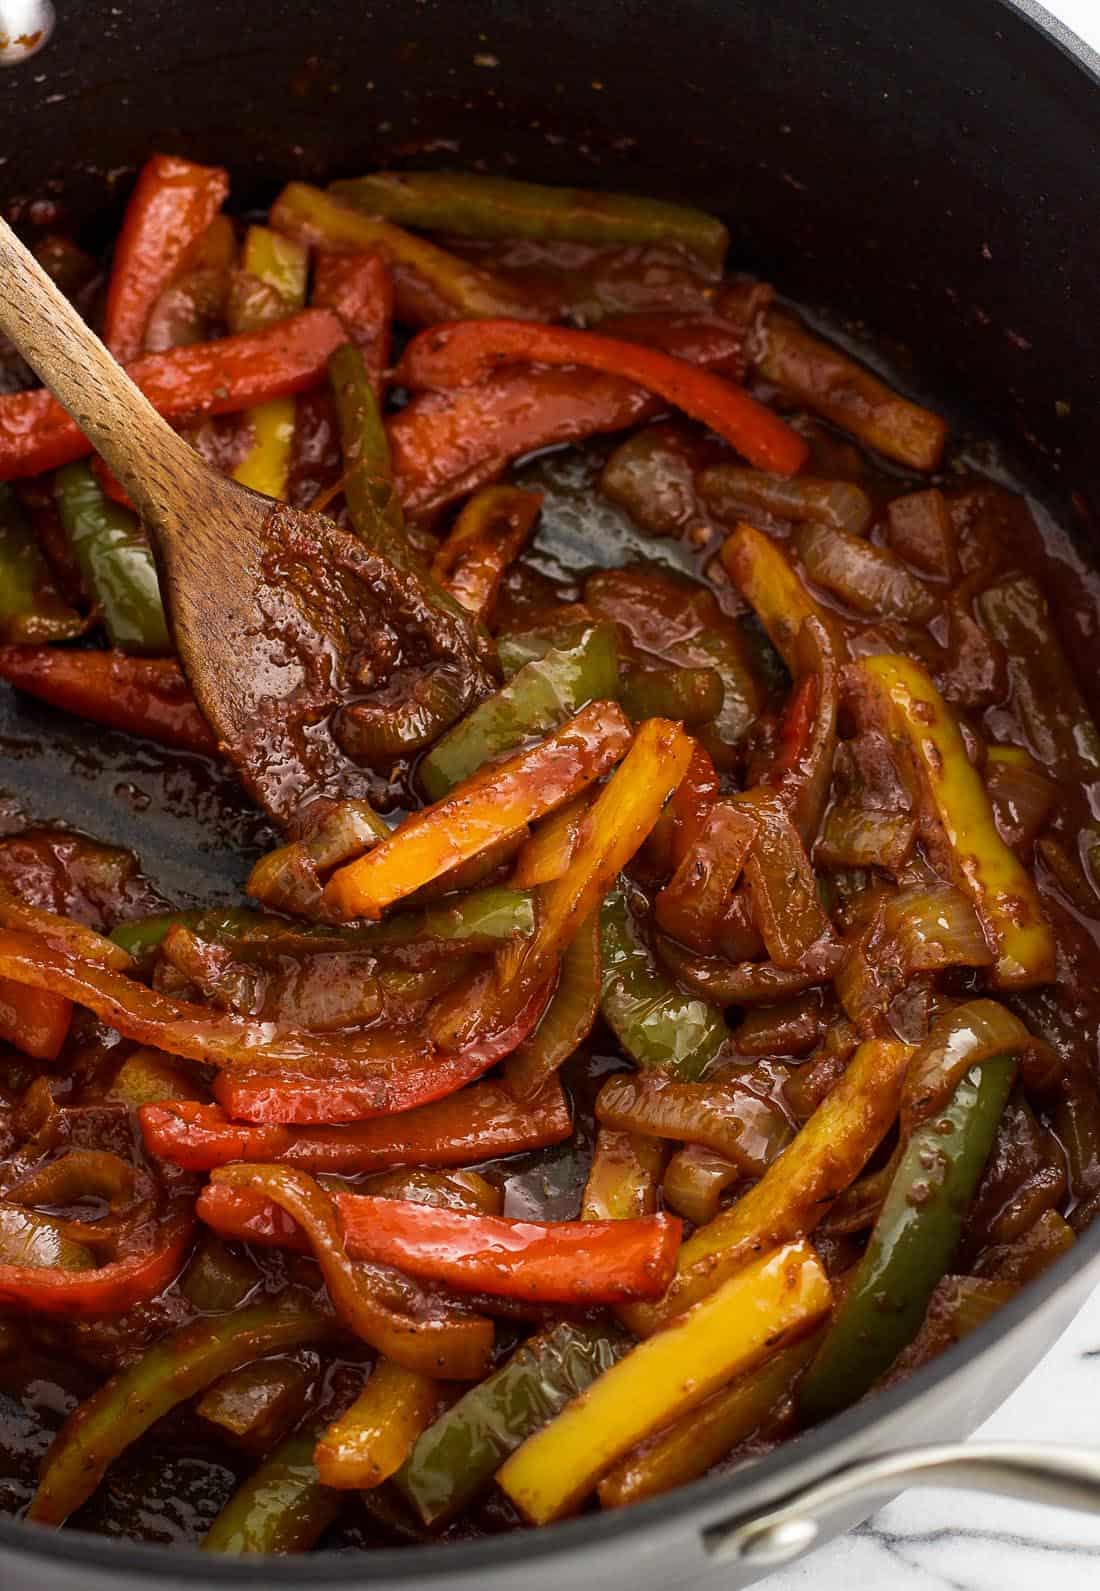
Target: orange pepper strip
[(142, 695), (478, 1123), (205, 378), (495, 803), (34, 1020), (486, 537), (170, 208), (372, 1440), (547, 1262), (464, 353)]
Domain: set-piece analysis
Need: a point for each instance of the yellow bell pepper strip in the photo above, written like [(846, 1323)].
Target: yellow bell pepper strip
[(429, 283), (723, 1116), (373, 504), (177, 1368), (455, 1346), (624, 1179), (549, 850), (488, 535), (496, 803), (543, 694), (690, 1446), (767, 580), (913, 1241), (466, 204), (777, 1297), (622, 814), (32, 609), (567, 1020), (824, 379), (372, 1440), (274, 269), (455, 1458), (786, 906), (731, 492), (1059, 728), (868, 579), (695, 1180), (903, 700), (796, 1190), (692, 905), (281, 1508), (659, 1026), (258, 1404), (116, 562)]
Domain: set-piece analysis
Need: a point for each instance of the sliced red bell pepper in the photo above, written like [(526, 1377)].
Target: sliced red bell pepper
[(109, 1289), (34, 1020), (205, 378), (445, 444), (478, 1123), (359, 288), (547, 1262), (142, 695), (275, 1097), (170, 208), (200, 1034), (468, 352)]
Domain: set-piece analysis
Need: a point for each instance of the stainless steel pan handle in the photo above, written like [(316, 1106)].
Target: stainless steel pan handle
[(1064, 1477)]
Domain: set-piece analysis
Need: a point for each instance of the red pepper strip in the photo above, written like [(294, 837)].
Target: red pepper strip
[(445, 445), (198, 1034), (106, 1291), (276, 1097), (359, 288), (170, 208), (142, 695), (34, 1020), (453, 1345), (478, 1123), (464, 353), (546, 1262), (205, 378), (112, 486)]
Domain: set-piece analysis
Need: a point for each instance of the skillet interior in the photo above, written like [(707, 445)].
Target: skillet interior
[(942, 183)]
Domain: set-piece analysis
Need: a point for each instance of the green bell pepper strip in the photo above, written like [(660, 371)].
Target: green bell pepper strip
[(659, 1026), (115, 560), (689, 695), (456, 1458), (283, 1507), (372, 499), (528, 646), (177, 1368), (466, 205), (542, 695), (481, 920), (913, 1241), (32, 609)]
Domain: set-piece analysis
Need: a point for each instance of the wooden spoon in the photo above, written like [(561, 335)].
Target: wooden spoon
[(280, 618)]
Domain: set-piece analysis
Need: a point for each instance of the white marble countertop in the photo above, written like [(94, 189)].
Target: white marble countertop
[(961, 1541)]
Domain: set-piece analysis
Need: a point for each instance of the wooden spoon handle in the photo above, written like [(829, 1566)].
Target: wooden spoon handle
[(116, 417)]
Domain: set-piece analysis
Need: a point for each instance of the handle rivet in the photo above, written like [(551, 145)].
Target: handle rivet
[(25, 26)]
